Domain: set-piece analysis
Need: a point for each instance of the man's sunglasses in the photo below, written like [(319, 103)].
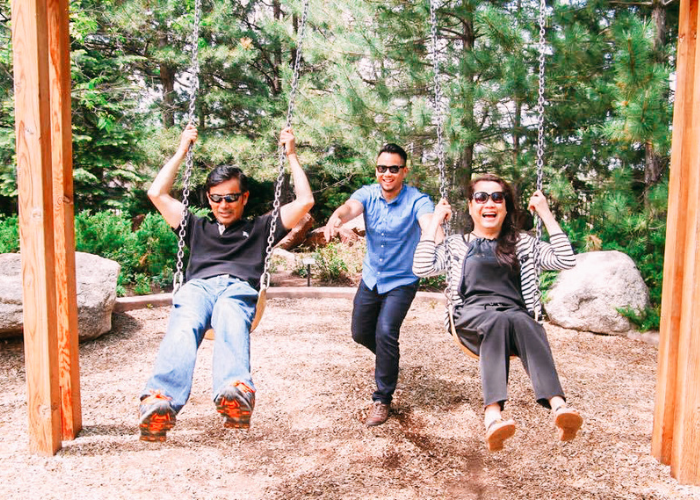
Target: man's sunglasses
[(482, 197), (394, 169), (230, 198)]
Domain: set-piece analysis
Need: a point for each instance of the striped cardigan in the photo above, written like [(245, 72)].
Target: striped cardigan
[(430, 260)]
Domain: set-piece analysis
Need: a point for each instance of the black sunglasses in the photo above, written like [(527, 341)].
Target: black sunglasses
[(394, 169), (482, 197), (230, 198)]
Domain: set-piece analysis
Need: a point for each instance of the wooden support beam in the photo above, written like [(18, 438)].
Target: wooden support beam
[(33, 130), (64, 236), (676, 432)]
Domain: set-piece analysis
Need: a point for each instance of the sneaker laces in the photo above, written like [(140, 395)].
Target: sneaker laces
[(154, 396)]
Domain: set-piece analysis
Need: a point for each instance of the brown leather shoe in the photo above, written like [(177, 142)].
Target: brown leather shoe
[(378, 414)]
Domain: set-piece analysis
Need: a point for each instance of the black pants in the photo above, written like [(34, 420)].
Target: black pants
[(376, 321), (497, 332)]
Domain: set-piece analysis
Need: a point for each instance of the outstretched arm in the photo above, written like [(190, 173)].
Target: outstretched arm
[(159, 192), (345, 212), (292, 213)]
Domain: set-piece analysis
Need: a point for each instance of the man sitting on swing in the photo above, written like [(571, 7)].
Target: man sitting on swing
[(227, 253)]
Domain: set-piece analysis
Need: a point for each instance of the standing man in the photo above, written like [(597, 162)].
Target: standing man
[(394, 215), (227, 254)]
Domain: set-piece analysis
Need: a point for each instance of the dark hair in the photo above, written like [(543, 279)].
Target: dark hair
[(508, 237), (394, 149), (223, 173)]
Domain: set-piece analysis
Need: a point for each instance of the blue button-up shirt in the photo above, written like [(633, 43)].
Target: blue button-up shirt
[(392, 233)]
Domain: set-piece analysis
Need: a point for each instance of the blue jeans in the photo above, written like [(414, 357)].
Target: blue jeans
[(223, 303), (376, 321)]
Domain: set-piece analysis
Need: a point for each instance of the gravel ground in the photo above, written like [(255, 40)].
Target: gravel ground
[(307, 438)]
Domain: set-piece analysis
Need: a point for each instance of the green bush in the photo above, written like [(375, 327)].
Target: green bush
[(337, 263), (108, 235), (330, 264), (146, 256), (156, 244), (9, 234), (621, 219), (433, 283), (142, 284)]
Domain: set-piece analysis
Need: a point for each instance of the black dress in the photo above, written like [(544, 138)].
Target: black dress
[(494, 324)]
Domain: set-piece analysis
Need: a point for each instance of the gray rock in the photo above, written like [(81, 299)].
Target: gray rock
[(586, 297), (96, 290)]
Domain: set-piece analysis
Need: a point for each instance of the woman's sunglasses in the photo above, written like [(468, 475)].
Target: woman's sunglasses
[(230, 198), (482, 197), (394, 169)]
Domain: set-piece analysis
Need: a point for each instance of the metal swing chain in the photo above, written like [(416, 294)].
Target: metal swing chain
[(540, 154), (265, 277), (439, 125), (189, 160)]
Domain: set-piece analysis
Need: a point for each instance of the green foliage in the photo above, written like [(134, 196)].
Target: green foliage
[(142, 284), (108, 235), (9, 234), (649, 319), (621, 220), (156, 244), (330, 264), (433, 283), (336, 263), (146, 256)]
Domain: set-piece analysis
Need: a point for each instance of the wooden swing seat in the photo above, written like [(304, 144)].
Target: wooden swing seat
[(259, 311)]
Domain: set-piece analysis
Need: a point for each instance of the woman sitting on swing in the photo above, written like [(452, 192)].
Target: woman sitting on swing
[(493, 286)]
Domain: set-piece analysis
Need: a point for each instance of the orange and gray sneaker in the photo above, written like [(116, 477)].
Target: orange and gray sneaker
[(157, 417), (236, 402)]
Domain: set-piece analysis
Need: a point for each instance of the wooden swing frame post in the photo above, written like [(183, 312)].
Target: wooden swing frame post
[(676, 431), (44, 177)]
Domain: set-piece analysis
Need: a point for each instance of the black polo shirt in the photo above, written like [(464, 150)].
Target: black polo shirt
[(239, 251)]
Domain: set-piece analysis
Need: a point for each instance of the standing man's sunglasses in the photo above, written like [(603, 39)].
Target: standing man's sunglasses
[(482, 197), (230, 198), (394, 169)]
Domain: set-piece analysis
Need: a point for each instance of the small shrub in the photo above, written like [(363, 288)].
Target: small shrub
[(108, 235), (330, 264), (9, 234), (156, 247), (433, 283), (142, 284), (648, 319)]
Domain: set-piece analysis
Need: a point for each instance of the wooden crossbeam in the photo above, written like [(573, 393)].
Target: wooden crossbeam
[(676, 432), (44, 179)]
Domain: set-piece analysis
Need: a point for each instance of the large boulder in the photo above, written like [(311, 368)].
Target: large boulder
[(297, 235), (356, 225), (587, 297), (317, 239), (96, 290)]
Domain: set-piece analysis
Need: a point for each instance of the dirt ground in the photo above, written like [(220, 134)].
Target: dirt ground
[(307, 438)]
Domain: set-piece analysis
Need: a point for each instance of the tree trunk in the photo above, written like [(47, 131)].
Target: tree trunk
[(467, 157), (167, 80), (516, 130), (295, 24), (658, 16), (276, 80), (654, 164)]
